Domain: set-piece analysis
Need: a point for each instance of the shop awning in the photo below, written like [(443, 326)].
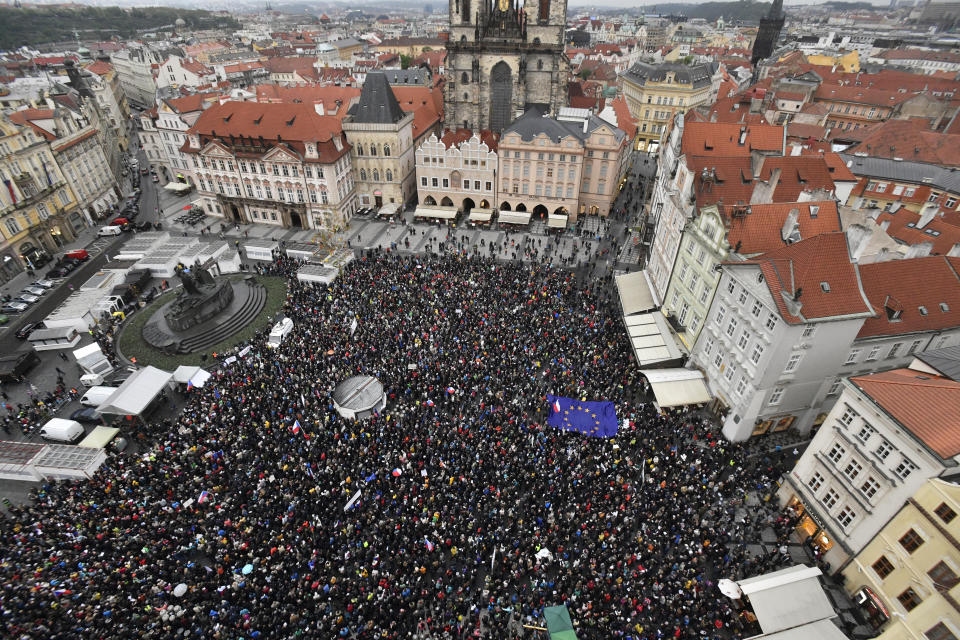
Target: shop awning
[(514, 217), (179, 187), (480, 215), (652, 338), (442, 213), (136, 394), (559, 625), (787, 598), (677, 387), (635, 293), (557, 221), (99, 437), (389, 209)]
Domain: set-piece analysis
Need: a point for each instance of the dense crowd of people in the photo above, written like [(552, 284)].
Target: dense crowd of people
[(473, 514)]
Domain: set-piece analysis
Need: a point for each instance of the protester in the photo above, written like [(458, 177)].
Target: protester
[(473, 514)]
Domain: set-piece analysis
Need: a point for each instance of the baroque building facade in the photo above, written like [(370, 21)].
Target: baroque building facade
[(502, 59)]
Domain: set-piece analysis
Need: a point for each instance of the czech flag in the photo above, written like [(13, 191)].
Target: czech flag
[(396, 472), (428, 544), (296, 427), (450, 389), (556, 406), (204, 497)]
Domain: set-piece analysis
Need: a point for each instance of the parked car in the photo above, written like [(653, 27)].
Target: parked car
[(143, 226), (77, 254), (14, 307), (4, 319), (26, 298), (120, 222), (86, 414), (144, 171), (155, 178), (58, 272), (34, 291), (26, 330), (43, 284)]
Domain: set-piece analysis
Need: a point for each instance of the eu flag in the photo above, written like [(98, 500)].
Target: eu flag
[(597, 419)]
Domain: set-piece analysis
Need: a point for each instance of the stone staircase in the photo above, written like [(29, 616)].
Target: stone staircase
[(252, 306)]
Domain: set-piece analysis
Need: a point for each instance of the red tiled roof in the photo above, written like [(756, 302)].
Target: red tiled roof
[(314, 94), (196, 67), (290, 64), (760, 230), (797, 174), (820, 271), (791, 95), (838, 168), (426, 104), (187, 103), (926, 405), (919, 54), (940, 233), (625, 120), (454, 138), (721, 139), (904, 139), (100, 68), (806, 131), (733, 184), (908, 285), (294, 124), (240, 67), (27, 116), (860, 95)]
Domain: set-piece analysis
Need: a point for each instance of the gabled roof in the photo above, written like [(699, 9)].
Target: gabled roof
[(456, 137), (902, 226), (817, 274), (731, 183), (377, 104), (904, 139), (290, 64), (797, 174), (760, 230), (722, 139), (100, 68), (906, 286), (860, 95), (928, 406)]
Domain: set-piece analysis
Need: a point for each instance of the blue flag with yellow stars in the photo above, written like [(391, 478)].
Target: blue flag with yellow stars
[(597, 419)]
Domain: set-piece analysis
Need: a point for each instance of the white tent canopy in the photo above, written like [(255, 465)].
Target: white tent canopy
[(788, 598), (651, 338), (136, 394), (480, 215), (557, 220), (99, 437), (677, 387), (444, 213), (635, 293), (193, 375)]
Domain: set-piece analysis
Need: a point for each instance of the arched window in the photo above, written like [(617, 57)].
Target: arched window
[(539, 65), (386, 150), (359, 151), (389, 175), (465, 96), (463, 38), (464, 78), (376, 176), (363, 174), (373, 149)]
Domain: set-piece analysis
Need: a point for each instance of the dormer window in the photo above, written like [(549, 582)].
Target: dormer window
[(944, 307), (825, 287), (923, 311)]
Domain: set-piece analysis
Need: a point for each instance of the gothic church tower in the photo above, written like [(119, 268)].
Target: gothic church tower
[(504, 57)]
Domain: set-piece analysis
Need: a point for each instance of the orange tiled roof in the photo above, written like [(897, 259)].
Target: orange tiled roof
[(818, 273), (760, 231), (722, 139), (100, 68), (907, 285), (902, 226), (928, 406), (904, 139), (797, 174), (454, 138)]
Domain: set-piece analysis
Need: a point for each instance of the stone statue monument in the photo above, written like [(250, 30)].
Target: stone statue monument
[(201, 299)]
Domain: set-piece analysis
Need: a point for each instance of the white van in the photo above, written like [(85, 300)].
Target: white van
[(279, 332), (96, 396), (60, 430), (109, 231)]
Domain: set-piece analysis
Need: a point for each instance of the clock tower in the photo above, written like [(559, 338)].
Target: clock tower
[(504, 57)]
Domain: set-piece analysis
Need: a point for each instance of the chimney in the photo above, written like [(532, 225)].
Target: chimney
[(921, 250), (318, 107), (756, 163), (927, 214), (790, 232), (858, 237), (763, 191), (954, 251), (884, 225)]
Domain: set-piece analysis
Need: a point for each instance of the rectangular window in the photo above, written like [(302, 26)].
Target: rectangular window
[(776, 396), (815, 482), (853, 469), (732, 327), (423, 181), (756, 353), (718, 360), (909, 599), (744, 339), (940, 632), (911, 541), (793, 362), (830, 498), (721, 311), (945, 513), (865, 432), (742, 299), (757, 308), (914, 346), (944, 578), (466, 185), (883, 567), (741, 385), (846, 516), (771, 322), (836, 454), (809, 331), (446, 183), (869, 487), (852, 356), (883, 449), (905, 468), (835, 387), (873, 354), (894, 349)]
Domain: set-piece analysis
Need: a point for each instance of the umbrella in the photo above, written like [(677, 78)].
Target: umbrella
[(247, 568), (729, 588), (396, 472), (188, 207), (179, 590)]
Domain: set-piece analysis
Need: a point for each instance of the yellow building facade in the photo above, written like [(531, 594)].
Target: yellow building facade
[(848, 61), (906, 578), (655, 92)]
